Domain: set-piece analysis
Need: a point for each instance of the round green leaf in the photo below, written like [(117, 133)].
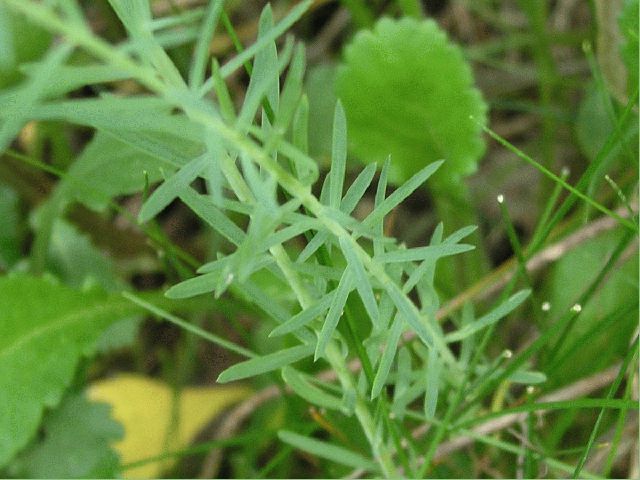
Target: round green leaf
[(408, 92)]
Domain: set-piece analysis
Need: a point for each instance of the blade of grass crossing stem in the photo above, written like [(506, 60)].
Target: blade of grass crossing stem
[(580, 403), (612, 391), (172, 187), (328, 451), (388, 355), (201, 50), (363, 284), (623, 221), (492, 317), (335, 312), (188, 326), (338, 156), (266, 363)]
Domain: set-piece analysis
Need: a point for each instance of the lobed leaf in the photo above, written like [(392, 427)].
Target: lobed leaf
[(417, 117), (46, 329)]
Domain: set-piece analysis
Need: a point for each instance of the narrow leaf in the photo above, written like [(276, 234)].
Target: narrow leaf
[(421, 254), (306, 390), (400, 194), (434, 367), (326, 450), (338, 157), (388, 355), (305, 316), (335, 312), (363, 284), (172, 188), (266, 363), (358, 188), (490, 318)]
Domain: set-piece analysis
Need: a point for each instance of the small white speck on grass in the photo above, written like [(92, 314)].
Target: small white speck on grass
[(546, 306), (392, 416), (404, 443), (531, 389), (577, 308), (507, 354), (565, 171), (500, 199)]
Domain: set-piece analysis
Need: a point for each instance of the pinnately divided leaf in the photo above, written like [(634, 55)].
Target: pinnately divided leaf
[(46, 329)]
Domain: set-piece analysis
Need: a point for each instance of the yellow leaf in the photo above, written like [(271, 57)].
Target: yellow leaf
[(145, 408)]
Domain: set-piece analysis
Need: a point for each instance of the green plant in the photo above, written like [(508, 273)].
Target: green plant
[(326, 286)]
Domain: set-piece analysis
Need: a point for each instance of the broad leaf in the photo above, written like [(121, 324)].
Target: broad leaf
[(75, 443), (44, 331), (106, 168), (424, 95)]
